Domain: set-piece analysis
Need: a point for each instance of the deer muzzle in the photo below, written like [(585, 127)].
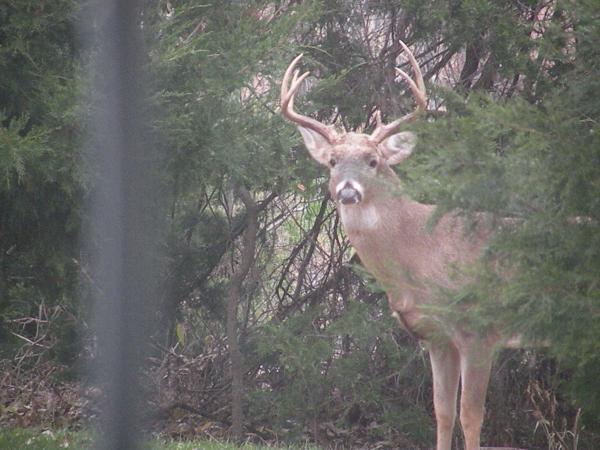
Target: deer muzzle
[(348, 194)]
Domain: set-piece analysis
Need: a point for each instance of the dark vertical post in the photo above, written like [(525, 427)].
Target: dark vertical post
[(122, 232)]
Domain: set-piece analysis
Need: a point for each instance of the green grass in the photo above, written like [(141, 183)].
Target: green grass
[(31, 439), (39, 439)]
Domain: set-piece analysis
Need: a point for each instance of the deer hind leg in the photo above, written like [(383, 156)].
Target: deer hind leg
[(445, 365), (475, 375)]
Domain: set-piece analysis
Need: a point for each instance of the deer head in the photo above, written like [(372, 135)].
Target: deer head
[(356, 161)]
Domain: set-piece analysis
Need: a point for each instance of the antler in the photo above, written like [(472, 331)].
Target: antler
[(417, 86), (288, 91)]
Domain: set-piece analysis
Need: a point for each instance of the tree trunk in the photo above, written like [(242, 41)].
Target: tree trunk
[(235, 291), (472, 58)]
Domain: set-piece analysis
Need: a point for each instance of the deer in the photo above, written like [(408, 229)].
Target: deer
[(411, 259)]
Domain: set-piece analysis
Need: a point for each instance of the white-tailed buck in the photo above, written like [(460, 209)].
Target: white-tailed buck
[(392, 236)]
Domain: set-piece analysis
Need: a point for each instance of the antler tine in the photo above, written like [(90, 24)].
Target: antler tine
[(286, 77), (417, 87), (294, 85), (288, 91)]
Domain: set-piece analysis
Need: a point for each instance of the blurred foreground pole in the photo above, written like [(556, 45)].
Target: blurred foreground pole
[(122, 233)]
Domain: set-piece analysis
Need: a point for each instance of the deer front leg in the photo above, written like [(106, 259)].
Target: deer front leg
[(475, 374), (445, 365)]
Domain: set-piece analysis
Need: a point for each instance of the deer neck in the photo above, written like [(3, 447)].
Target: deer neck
[(380, 214), (387, 232)]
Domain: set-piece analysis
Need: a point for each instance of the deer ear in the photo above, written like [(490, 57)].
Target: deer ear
[(318, 147), (398, 147)]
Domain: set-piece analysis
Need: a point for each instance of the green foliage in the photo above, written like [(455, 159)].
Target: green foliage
[(36, 57), (218, 89), (345, 370), (39, 189), (538, 164), (216, 73)]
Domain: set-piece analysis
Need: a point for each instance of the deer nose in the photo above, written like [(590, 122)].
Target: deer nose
[(348, 195)]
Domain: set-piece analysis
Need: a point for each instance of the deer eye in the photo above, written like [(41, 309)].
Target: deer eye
[(373, 163), (332, 162)]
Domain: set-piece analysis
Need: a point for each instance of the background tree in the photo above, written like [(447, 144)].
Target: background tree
[(40, 190)]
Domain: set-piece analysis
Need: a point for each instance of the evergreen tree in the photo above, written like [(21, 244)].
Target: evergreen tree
[(40, 191)]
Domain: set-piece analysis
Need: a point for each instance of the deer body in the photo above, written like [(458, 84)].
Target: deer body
[(391, 234)]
